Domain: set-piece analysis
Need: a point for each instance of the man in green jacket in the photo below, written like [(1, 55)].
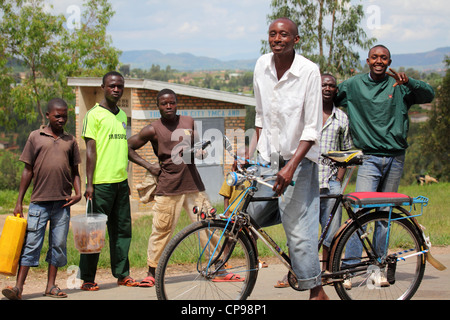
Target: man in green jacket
[(377, 105)]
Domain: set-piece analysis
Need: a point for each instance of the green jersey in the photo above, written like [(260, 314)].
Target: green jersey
[(109, 131), (378, 111)]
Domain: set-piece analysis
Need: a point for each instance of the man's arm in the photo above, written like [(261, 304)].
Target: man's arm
[(91, 160), (285, 175), (138, 141), (25, 181), (254, 142), (421, 92), (340, 100), (76, 181)]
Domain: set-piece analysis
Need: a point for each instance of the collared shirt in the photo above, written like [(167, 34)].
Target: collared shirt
[(378, 112), (288, 110), (52, 160), (335, 137)]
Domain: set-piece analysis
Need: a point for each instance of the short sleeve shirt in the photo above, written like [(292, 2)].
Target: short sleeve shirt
[(109, 131), (52, 160), (235, 194)]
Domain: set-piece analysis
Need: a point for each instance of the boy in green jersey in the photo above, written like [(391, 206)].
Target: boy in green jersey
[(104, 130)]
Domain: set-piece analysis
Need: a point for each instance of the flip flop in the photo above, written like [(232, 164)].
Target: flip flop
[(90, 286), (282, 284), (147, 282), (12, 293), (58, 294), (128, 282), (230, 277)]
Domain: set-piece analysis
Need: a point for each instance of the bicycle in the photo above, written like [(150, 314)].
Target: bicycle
[(195, 261)]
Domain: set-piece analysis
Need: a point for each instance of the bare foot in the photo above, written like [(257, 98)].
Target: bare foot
[(318, 293)]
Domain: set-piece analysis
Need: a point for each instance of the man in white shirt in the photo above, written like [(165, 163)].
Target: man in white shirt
[(288, 122)]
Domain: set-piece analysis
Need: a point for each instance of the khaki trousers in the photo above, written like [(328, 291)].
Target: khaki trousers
[(166, 212)]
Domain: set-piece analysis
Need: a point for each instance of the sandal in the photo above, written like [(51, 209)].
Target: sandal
[(128, 282), (58, 294), (12, 293), (90, 286), (147, 282), (283, 283), (230, 277)]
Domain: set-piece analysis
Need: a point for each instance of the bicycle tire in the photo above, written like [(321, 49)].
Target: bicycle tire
[(404, 239), (182, 273)]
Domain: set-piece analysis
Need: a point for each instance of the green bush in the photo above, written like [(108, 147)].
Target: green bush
[(11, 169)]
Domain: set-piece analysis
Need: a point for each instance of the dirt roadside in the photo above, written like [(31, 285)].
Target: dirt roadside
[(37, 278)]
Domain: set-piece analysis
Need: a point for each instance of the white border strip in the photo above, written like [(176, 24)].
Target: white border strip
[(194, 113)]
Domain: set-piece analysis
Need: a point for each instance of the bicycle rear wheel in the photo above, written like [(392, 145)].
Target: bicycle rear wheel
[(189, 268), (369, 276)]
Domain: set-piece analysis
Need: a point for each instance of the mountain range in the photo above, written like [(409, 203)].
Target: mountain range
[(144, 59)]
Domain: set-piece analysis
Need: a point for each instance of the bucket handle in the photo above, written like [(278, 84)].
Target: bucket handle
[(89, 204)]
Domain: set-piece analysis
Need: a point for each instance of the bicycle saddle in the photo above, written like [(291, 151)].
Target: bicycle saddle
[(352, 157)]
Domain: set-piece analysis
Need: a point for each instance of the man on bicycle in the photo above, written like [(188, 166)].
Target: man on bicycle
[(288, 124)]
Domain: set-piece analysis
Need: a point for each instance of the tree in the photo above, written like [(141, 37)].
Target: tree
[(50, 53), (30, 35), (435, 133), (89, 48), (329, 30)]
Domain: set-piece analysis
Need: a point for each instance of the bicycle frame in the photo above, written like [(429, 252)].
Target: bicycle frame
[(253, 227), (240, 217), (405, 215)]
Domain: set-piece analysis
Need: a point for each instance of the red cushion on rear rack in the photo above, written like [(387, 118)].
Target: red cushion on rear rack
[(378, 198)]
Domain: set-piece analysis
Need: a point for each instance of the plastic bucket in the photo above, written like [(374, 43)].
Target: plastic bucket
[(89, 232)]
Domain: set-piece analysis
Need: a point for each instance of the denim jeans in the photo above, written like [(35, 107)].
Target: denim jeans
[(377, 174), (298, 211), (326, 206), (39, 213)]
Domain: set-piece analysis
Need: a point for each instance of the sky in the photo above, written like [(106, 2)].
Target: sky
[(233, 29)]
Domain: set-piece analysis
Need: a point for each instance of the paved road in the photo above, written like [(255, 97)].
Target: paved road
[(435, 286)]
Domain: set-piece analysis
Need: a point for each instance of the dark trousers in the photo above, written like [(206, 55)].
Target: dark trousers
[(113, 200)]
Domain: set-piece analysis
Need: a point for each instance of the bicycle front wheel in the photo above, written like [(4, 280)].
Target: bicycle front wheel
[(190, 266), (396, 268)]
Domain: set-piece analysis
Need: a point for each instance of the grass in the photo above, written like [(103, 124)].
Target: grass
[(435, 219), (8, 200)]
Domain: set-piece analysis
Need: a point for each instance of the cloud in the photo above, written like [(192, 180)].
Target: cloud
[(189, 28), (219, 29), (413, 25), (215, 28)]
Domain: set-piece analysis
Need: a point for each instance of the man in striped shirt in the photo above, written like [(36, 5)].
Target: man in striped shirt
[(335, 137)]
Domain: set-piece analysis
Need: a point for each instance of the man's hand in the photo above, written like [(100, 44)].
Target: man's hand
[(284, 179), (400, 77), (154, 169), (18, 210), (201, 154), (89, 194), (72, 200)]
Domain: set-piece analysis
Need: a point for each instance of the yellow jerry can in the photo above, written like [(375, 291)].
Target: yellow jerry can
[(11, 242)]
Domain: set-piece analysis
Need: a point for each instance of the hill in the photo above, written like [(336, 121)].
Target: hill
[(432, 60), (144, 59)]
